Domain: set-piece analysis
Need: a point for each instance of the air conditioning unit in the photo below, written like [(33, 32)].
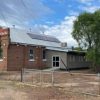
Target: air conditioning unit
[(64, 44)]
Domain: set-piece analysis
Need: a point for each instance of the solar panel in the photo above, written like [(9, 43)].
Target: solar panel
[(43, 37)]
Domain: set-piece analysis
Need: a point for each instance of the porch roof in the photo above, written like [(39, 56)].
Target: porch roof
[(62, 49), (67, 50)]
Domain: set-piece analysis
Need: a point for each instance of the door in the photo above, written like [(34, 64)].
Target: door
[(56, 61)]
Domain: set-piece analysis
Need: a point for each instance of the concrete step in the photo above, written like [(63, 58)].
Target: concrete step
[(52, 69)]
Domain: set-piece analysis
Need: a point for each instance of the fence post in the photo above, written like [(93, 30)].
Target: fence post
[(53, 78), (22, 75), (99, 83), (32, 77), (40, 77)]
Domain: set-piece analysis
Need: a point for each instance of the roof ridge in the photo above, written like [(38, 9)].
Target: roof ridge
[(27, 31)]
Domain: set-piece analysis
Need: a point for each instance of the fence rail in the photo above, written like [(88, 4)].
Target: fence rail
[(75, 82)]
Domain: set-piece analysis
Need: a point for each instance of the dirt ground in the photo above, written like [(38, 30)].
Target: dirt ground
[(20, 91), (78, 85)]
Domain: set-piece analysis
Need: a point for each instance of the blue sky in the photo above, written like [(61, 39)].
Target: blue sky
[(51, 17)]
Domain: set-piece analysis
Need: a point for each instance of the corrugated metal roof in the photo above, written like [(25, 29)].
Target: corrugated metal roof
[(62, 49), (58, 49), (21, 37)]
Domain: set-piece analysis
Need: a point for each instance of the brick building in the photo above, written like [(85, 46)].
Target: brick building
[(22, 49)]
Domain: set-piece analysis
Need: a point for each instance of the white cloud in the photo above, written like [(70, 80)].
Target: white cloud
[(89, 5), (18, 12), (85, 1), (49, 22), (91, 8), (60, 1), (63, 30), (73, 13)]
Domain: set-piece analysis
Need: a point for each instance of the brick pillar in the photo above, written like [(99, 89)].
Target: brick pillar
[(4, 39)]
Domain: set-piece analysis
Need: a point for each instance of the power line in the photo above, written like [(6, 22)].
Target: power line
[(1, 12), (24, 4)]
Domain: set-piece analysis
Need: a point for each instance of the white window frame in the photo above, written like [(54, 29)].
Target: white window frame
[(31, 54), (44, 59), (1, 59), (56, 61)]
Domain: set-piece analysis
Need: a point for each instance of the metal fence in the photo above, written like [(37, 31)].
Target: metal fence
[(88, 84), (76, 82)]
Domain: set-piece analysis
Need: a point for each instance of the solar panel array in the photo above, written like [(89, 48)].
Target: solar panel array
[(43, 37)]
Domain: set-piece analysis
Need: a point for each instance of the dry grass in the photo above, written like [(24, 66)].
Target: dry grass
[(66, 87), (20, 91)]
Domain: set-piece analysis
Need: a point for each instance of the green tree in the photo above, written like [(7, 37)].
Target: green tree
[(97, 37), (82, 31), (86, 31)]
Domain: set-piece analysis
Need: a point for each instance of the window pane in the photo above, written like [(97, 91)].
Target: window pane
[(57, 58), (54, 64), (44, 54), (31, 51), (31, 54), (57, 64), (1, 53), (31, 57), (54, 59)]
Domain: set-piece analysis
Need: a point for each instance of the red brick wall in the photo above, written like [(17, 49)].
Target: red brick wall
[(4, 40), (38, 57), (15, 57), (18, 57)]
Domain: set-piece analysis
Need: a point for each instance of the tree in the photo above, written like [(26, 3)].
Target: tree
[(97, 36), (77, 48), (82, 31), (86, 31)]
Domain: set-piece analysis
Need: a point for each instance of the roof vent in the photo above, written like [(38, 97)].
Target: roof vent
[(64, 44)]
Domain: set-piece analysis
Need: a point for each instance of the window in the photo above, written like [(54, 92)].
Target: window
[(81, 58), (72, 58), (44, 54), (31, 54), (56, 61), (1, 53)]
